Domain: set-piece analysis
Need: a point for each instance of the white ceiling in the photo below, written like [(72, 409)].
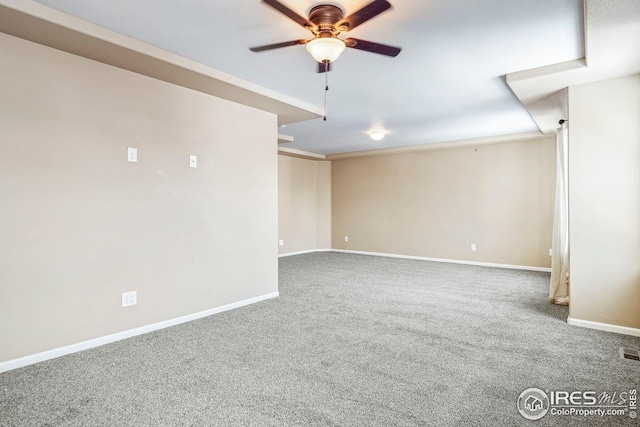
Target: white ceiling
[(447, 84)]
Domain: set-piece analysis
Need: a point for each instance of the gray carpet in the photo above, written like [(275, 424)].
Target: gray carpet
[(352, 341)]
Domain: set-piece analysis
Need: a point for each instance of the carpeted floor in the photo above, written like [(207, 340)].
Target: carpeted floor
[(352, 341)]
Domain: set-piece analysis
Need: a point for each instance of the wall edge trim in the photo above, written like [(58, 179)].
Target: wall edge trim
[(451, 261), (118, 336), (607, 327), (303, 252)]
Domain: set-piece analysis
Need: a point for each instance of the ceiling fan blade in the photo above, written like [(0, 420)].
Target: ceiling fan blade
[(382, 49), (321, 67), (289, 13), (363, 15), (277, 45)]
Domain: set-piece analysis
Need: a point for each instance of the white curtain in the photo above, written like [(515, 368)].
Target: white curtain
[(559, 287)]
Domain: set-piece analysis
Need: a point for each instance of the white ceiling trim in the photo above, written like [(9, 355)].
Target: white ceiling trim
[(487, 140), (283, 139), (301, 154)]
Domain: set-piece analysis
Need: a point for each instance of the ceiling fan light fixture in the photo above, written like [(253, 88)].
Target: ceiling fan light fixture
[(376, 135), (326, 48)]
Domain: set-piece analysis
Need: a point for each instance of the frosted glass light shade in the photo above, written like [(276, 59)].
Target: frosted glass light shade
[(376, 135), (325, 48)]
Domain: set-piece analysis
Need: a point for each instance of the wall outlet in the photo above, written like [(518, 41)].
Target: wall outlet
[(346, 238), (281, 242), (129, 298), (473, 247), (193, 161), (132, 155)]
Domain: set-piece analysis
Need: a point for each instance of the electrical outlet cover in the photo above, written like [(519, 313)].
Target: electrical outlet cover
[(129, 298)]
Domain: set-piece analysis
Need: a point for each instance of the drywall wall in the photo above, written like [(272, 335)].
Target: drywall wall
[(323, 205), (304, 204), (81, 225), (438, 203), (604, 201)]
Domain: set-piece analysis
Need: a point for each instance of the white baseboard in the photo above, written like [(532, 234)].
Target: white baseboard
[(96, 342), (452, 261), (310, 251), (625, 330)]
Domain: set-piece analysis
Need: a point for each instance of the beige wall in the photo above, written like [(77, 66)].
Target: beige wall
[(81, 225), (604, 201), (323, 205), (304, 204), (437, 203)]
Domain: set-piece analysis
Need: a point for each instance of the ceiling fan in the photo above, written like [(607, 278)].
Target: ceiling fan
[(326, 22)]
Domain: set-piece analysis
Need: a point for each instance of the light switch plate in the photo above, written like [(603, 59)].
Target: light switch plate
[(132, 154), (193, 161)]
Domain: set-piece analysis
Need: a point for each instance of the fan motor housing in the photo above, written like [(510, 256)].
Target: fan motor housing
[(325, 16)]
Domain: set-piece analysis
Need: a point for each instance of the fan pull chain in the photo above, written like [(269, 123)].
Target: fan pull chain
[(326, 87)]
